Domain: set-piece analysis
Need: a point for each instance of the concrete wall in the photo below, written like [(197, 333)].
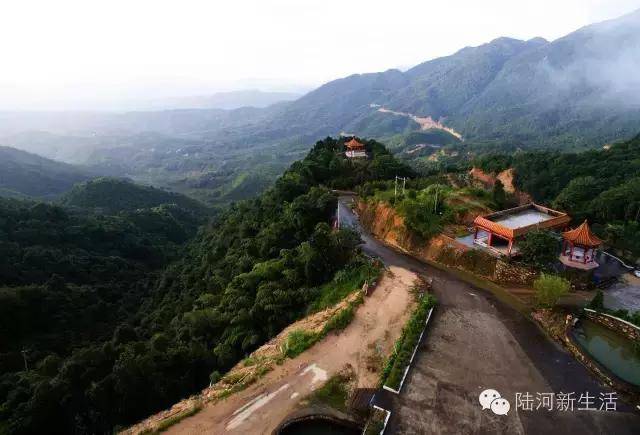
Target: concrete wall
[(509, 273)]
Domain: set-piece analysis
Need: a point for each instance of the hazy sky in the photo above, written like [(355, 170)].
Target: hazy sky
[(86, 50)]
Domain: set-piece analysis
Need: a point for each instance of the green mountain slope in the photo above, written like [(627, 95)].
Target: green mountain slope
[(115, 194), (24, 174)]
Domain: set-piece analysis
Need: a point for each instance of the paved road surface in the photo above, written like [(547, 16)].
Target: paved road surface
[(475, 342)]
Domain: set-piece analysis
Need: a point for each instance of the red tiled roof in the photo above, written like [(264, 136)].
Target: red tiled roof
[(487, 222), (582, 236), (354, 144), (494, 227)]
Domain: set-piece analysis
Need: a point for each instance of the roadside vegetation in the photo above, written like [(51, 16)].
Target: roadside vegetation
[(375, 424), (300, 340), (335, 392), (396, 366), (431, 205)]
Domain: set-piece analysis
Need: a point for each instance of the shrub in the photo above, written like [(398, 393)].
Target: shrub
[(598, 301), (539, 248), (340, 320), (448, 256), (549, 289), (298, 341), (214, 376), (334, 393), (478, 262)]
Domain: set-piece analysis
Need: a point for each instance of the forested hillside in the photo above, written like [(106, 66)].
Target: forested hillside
[(114, 195), (602, 186), (23, 174), (106, 336)]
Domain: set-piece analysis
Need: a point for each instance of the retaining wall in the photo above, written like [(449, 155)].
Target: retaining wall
[(627, 329)]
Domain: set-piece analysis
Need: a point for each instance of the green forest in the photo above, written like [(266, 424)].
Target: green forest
[(602, 186), (111, 310)]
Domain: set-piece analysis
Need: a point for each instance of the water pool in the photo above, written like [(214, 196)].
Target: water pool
[(610, 349)]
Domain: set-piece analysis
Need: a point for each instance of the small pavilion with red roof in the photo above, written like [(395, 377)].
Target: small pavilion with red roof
[(355, 149), (579, 247)]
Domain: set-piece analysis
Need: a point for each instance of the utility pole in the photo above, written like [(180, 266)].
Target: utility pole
[(435, 203), (395, 189), (24, 356), (395, 186)]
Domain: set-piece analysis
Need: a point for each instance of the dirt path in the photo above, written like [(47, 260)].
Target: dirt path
[(425, 122), (261, 407)]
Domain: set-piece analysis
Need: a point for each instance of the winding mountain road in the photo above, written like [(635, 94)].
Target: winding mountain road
[(476, 342)]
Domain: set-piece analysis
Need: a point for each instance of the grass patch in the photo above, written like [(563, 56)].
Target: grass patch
[(334, 393), (298, 341), (167, 423), (403, 349), (375, 423), (344, 283)]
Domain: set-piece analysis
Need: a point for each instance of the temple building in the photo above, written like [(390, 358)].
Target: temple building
[(498, 232), (579, 247), (355, 149)]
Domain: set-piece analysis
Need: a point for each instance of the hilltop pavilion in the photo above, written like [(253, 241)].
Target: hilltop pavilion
[(579, 247), (355, 149)]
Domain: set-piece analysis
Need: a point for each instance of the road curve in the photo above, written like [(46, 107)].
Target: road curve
[(476, 342)]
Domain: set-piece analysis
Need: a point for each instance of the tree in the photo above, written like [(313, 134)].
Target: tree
[(499, 195), (575, 197), (597, 303), (539, 248), (549, 289)]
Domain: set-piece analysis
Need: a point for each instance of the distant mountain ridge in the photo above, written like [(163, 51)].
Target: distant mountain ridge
[(222, 100), (580, 90), (577, 89)]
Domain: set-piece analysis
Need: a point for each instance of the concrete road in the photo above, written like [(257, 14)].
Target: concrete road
[(476, 342)]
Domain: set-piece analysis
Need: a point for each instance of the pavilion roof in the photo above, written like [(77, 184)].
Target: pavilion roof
[(354, 144), (582, 236), (492, 222)]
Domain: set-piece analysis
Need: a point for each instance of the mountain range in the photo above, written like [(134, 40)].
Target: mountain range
[(577, 92)]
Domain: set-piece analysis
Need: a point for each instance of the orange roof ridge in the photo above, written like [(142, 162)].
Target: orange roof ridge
[(582, 235)]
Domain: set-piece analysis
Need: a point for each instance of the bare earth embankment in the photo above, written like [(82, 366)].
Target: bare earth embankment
[(263, 405)]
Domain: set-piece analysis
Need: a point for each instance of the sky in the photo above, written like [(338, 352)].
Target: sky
[(88, 53)]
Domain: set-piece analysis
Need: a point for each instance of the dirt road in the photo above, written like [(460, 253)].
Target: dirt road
[(476, 342), (261, 407)]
